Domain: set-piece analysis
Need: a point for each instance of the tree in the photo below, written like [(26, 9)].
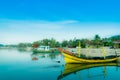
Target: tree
[(65, 43), (84, 43), (115, 38), (36, 44), (45, 42), (57, 44), (70, 43), (52, 42), (97, 41), (24, 45)]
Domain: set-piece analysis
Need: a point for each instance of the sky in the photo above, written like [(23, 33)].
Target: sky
[(32, 20)]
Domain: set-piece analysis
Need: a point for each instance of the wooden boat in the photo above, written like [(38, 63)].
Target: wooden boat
[(73, 68), (69, 57)]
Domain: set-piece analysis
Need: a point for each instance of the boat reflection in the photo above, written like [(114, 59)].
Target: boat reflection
[(37, 56), (74, 68)]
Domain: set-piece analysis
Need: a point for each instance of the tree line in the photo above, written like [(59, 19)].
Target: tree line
[(97, 42)]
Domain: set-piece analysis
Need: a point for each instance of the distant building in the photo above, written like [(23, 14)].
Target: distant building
[(116, 44), (43, 48)]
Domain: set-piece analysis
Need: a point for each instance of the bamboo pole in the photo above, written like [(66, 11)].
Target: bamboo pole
[(79, 47), (104, 52)]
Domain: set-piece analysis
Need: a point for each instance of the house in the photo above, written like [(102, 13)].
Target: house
[(43, 48)]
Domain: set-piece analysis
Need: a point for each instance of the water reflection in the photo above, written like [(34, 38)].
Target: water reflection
[(52, 56), (24, 49), (24, 65), (91, 70)]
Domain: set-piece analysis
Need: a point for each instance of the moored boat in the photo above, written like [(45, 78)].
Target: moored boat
[(45, 49), (69, 57)]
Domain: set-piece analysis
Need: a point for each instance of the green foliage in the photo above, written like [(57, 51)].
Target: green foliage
[(97, 42), (115, 38), (48, 42), (84, 43), (23, 45), (65, 43)]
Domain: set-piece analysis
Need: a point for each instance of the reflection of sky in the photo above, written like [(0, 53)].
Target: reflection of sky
[(17, 57), (15, 65), (13, 56)]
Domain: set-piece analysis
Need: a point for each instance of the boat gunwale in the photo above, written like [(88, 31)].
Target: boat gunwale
[(88, 60)]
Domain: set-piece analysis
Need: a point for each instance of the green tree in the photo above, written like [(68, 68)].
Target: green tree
[(58, 44), (23, 45), (70, 43), (65, 43), (52, 42), (45, 42), (97, 41), (84, 43)]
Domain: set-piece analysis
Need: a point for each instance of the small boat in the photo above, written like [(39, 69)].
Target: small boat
[(44, 49), (73, 68), (70, 57)]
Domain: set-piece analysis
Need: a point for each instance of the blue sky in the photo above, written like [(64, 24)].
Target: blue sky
[(31, 20)]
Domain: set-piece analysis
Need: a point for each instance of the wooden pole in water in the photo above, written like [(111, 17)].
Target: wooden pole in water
[(104, 71)]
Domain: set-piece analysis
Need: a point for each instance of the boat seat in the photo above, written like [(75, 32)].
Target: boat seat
[(97, 58)]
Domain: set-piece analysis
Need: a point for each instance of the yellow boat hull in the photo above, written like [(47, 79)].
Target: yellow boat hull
[(73, 59)]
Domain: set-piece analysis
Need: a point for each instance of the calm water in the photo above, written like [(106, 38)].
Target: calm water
[(23, 65)]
